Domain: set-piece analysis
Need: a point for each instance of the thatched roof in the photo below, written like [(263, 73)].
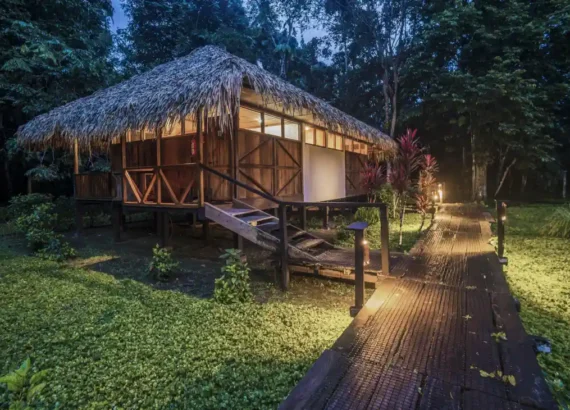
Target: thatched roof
[(208, 78)]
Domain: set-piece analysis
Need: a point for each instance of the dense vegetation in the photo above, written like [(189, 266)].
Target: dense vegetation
[(486, 82), (109, 343), (538, 275)]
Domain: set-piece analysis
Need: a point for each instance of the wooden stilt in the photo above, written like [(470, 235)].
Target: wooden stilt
[(303, 211), (117, 216), (164, 230), (78, 218), (238, 242), (358, 228), (283, 247), (206, 229), (326, 217)]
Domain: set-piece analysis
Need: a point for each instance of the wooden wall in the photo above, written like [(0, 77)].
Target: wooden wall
[(355, 165)]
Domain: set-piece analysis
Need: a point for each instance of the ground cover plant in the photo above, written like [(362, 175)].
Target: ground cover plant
[(110, 343), (538, 275)]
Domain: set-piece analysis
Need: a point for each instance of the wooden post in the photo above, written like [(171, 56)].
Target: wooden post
[(201, 198), (358, 228), (206, 229), (326, 217), (164, 229), (283, 247), (116, 219), (158, 134), (75, 168), (303, 210), (124, 165), (385, 239), (238, 242)]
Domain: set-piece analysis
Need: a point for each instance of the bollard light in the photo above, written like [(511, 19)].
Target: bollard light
[(440, 192), (366, 251), (504, 218)]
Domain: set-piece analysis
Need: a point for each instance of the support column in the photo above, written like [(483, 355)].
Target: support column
[(206, 229), (326, 217), (238, 242), (164, 229), (501, 218), (116, 217), (303, 212), (385, 239), (283, 247)]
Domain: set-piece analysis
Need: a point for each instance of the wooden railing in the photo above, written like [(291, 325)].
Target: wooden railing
[(166, 185), (282, 215), (97, 186)]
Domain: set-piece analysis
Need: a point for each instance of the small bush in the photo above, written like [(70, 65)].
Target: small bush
[(369, 215), (233, 286), (162, 265), (39, 229), (24, 204), (24, 386), (558, 224)]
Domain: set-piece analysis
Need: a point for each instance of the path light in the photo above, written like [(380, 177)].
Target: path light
[(440, 192), (504, 218), (366, 250)]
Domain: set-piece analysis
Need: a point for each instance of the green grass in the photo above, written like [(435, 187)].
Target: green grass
[(539, 275), (113, 343), (410, 233)]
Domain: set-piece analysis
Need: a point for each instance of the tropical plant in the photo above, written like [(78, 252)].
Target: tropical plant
[(558, 224), (368, 215), (24, 386), (372, 178), (24, 204), (423, 205), (162, 265), (406, 163), (233, 286)]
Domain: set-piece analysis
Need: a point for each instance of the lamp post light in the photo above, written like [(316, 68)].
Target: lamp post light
[(361, 254), (501, 219), (440, 192)]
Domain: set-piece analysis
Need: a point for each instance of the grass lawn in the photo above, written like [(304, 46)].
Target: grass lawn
[(120, 343), (539, 275)]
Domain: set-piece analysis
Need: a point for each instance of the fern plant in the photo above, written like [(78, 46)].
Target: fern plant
[(558, 224), (24, 386), (233, 286), (162, 265)]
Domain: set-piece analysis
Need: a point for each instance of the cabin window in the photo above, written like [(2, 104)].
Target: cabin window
[(338, 142), (249, 119), (172, 128), (190, 126), (330, 140), (148, 134), (363, 148), (320, 137), (133, 135), (115, 140), (292, 130), (273, 125), (309, 135), (348, 144)]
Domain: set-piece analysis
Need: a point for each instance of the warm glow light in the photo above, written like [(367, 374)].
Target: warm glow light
[(259, 120), (435, 197), (504, 218), (365, 242), (307, 128)]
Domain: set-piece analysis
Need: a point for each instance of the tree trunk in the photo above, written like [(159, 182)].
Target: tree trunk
[(479, 173), (402, 213), (502, 180), (524, 178), (394, 105)]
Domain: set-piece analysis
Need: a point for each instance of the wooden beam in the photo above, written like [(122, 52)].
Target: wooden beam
[(234, 152), (75, 156), (283, 247), (168, 187), (186, 191), (201, 148), (124, 165), (133, 186), (385, 239), (288, 182), (149, 188), (158, 164)]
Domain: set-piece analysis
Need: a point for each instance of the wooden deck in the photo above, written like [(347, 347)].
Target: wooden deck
[(425, 340)]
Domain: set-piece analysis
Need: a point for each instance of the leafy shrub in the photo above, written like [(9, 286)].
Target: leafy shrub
[(24, 204), (370, 215), (39, 229), (558, 224), (162, 265), (3, 214), (233, 286), (65, 209), (24, 386)]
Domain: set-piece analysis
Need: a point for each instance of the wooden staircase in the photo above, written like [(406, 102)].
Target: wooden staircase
[(263, 229)]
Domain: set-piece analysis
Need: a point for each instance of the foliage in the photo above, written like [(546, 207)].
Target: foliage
[(368, 215), (162, 265), (233, 286), (372, 178), (24, 386), (21, 205), (558, 224), (93, 330), (538, 276), (39, 226)]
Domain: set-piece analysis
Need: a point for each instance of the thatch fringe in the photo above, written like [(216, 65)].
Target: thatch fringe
[(208, 78)]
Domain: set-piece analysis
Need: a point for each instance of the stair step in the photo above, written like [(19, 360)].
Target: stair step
[(240, 211), (269, 227), (253, 220), (309, 243)]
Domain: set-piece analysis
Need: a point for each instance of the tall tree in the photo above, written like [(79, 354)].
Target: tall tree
[(51, 52)]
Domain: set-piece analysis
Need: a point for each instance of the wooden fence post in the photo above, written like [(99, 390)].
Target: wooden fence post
[(303, 211), (326, 217), (385, 239), (358, 228), (117, 221), (283, 247)]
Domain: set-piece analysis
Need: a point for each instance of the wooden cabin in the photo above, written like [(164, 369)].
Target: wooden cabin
[(180, 135)]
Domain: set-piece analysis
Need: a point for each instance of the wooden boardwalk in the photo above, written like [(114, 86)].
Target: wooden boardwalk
[(431, 333)]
